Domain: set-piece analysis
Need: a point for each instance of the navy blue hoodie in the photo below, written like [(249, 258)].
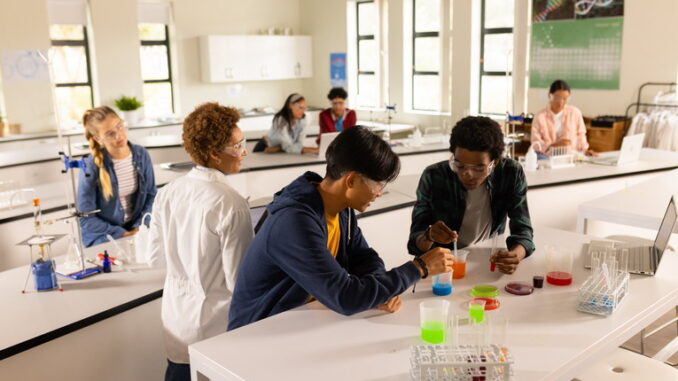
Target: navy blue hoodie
[(288, 261)]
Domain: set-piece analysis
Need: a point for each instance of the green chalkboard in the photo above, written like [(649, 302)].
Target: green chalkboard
[(586, 53)]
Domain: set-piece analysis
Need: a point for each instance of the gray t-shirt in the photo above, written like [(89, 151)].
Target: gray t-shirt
[(477, 223)]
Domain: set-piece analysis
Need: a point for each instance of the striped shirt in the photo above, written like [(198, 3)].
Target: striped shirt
[(127, 184)]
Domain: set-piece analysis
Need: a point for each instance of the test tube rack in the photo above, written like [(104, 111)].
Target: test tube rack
[(460, 363), (596, 298)]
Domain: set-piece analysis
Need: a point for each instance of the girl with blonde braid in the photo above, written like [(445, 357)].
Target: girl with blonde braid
[(119, 180)]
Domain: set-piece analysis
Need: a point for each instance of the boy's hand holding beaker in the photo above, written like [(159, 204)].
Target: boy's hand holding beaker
[(438, 261)]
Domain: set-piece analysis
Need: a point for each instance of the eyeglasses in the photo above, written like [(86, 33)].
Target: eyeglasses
[(237, 149), (376, 187), (338, 103), (478, 170), (112, 135), (554, 98)]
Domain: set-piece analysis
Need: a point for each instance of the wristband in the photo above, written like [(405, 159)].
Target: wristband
[(423, 266)]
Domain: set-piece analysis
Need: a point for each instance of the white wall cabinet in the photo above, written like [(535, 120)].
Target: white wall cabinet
[(255, 58)]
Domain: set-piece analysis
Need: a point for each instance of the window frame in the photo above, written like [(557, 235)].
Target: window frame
[(78, 43), (364, 37), (415, 72), (169, 79), (483, 32)]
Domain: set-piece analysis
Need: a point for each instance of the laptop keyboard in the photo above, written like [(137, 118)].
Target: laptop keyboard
[(638, 260)]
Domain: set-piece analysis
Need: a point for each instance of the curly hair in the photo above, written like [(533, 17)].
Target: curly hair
[(478, 133), (207, 129), (337, 92)]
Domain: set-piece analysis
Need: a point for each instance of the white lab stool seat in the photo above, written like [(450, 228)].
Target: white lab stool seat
[(623, 365)]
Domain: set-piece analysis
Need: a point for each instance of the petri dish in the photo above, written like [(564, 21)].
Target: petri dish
[(490, 303), (518, 288), (485, 291)]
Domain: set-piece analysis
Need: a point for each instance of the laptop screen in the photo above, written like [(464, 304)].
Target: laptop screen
[(666, 228)]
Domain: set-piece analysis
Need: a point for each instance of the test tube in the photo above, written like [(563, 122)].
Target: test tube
[(624, 263)]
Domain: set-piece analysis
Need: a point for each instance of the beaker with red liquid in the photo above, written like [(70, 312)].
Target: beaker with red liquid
[(558, 266)]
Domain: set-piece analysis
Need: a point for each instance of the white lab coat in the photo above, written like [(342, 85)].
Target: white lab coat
[(201, 228)]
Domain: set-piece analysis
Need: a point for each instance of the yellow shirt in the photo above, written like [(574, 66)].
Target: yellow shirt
[(333, 234)]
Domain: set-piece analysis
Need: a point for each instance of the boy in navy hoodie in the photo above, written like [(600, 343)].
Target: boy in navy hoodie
[(310, 245)]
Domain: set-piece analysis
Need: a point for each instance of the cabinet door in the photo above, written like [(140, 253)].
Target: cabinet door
[(303, 62), (255, 58), (228, 58)]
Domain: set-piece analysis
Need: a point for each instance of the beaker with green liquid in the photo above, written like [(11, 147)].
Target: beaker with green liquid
[(433, 320), (476, 310)]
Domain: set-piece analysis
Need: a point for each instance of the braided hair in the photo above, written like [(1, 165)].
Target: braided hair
[(91, 120)]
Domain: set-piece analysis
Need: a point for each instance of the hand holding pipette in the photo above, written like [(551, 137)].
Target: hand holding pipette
[(440, 233)]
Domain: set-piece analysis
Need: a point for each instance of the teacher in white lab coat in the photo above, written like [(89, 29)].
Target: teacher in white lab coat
[(201, 228)]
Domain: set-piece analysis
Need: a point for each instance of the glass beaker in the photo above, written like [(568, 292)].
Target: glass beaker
[(433, 320), (558, 266), (442, 284), (476, 310), (459, 265)]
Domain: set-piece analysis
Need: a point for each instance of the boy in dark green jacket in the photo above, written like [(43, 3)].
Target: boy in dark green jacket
[(468, 198)]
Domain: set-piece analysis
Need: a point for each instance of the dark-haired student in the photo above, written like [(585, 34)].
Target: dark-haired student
[(560, 124), (468, 198), (288, 130), (310, 246), (338, 117)]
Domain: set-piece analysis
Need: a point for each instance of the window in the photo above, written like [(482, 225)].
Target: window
[(368, 59), (496, 56), (426, 55), (156, 70), (72, 75)]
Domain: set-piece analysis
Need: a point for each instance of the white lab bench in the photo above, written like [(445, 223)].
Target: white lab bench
[(138, 328), (642, 205), (548, 337)]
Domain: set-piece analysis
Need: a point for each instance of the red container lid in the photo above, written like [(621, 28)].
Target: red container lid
[(490, 303)]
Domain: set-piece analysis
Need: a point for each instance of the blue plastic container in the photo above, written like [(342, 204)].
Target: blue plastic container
[(44, 275)]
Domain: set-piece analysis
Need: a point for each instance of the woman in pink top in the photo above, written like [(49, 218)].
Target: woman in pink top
[(559, 125)]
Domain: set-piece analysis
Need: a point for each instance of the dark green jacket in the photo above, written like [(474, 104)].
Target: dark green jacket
[(442, 197)]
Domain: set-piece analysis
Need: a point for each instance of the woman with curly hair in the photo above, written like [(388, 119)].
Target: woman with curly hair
[(118, 179), (201, 227)]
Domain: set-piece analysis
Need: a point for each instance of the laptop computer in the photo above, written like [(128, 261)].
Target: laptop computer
[(641, 259), (325, 140), (629, 152)]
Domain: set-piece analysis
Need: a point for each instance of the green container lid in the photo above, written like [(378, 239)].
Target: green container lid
[(485, 291)]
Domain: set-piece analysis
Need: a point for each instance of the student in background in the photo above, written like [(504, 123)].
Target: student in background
[(288, 131), (560, 124), (338, 117), (201, 228), (468, 198), (118, 179), (310, 245)]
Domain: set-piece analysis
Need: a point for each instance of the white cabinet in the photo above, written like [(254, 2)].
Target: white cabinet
[(255, 58)]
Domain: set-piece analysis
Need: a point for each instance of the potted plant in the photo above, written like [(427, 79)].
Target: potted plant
[(129, 107)]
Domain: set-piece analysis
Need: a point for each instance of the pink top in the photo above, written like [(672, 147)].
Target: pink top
[(573, 128)]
